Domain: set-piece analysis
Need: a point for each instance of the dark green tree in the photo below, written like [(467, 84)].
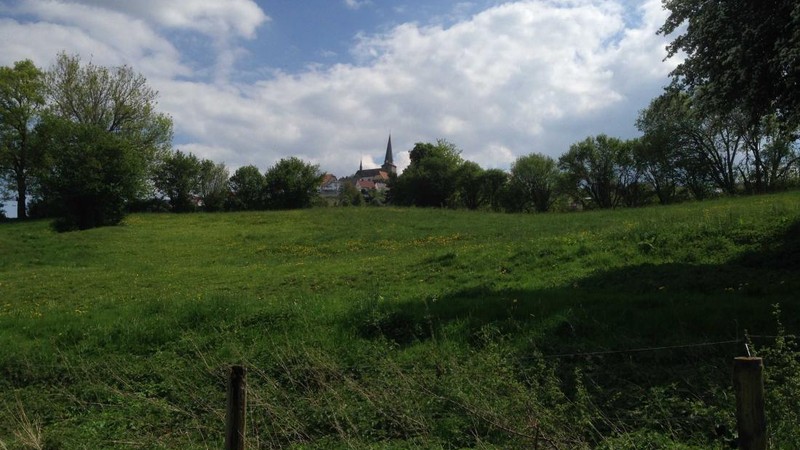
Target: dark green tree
[(430, 179), (21, 102), (90, 174), (659, 152), (469, 185), (741, 54), (212, 185), (492, 183), (536, 178), (116, 108), (599, 169), (291, 184), (247, 186), (177, 177)]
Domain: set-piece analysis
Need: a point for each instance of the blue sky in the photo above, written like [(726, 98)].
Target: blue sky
[(250, 82)]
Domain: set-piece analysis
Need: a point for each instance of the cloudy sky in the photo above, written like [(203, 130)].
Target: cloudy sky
[(250, 82)]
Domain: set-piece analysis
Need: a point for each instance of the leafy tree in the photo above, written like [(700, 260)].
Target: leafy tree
[(117, 100), (177, 177), (110, 115), (292, 183), (469, 184), (536, 178), (513, 198), (350, 195), (739, 54), (659, 151), (90, 174), (492, 183), (632, 189), (770, 155), (430, 179), (212, 185), (21, 102), (707, 146), (247, 186), (592, 170)]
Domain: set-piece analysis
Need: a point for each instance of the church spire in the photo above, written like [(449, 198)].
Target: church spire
[(389, 159), (388, 162)]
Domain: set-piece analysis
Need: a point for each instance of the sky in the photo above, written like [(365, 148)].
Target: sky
[(253, 81)]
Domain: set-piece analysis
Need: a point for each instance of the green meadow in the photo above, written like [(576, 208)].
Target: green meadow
[(401, 328)]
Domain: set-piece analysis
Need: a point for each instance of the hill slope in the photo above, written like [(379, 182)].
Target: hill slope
[(395, 327)]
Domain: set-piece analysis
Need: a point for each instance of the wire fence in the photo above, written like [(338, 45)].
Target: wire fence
[(308, 380)]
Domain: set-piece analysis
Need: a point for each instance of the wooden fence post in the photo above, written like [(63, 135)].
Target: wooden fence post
[(751, 422), (236, 407)]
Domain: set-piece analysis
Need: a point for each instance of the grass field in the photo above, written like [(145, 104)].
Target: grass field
[(399, 328)]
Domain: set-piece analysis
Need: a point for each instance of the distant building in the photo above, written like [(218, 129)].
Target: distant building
[(388, 168), (330, 185), (364, 180)]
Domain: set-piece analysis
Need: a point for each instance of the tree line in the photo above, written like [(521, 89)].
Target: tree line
[(727, 124), (84, 144)]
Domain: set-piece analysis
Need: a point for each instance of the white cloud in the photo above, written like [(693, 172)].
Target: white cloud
[(356, 4), (212, 17), (521, 77)]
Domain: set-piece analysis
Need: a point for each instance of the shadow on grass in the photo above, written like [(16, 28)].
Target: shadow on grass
[(642, 305)]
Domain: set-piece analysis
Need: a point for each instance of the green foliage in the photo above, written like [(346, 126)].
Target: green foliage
[(178, 177), (782, 386), (431, 178), (470, 185), (21, 101), (350, 195), (213, 185), (739, 54), (292, 183), (536, 178), (602, 170), (91, 174), (492, 183), (247, 186)]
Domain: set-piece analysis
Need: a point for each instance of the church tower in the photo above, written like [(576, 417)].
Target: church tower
[(388, 161)]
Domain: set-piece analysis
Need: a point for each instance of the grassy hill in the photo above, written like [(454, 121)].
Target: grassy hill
[(400, 328)]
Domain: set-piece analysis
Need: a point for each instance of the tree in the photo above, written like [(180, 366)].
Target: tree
[(739, 54), (707, 145), (492, 183), (659, 150), (770, 155), (177, 177), (537, 178), (469, 184), (117, 100), (430, 179), (21, 102), (90, 174), (291, 184), (592, 170), (99, 111), (212, 185), (350, 195), (247, 186)]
